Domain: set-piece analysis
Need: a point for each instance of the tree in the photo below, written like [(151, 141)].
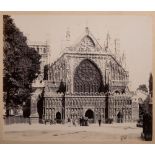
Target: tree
[(103, 88), (151, 84), (46, 72), (143, 88), (62, 89), (26, 109), (40, 105), (21, 64)]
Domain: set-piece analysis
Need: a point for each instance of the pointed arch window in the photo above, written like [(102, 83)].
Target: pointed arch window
[(87, 77)]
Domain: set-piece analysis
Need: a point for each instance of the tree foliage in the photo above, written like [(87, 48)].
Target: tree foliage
[(151, 85), (21, 63), (46, 72), (40, 104), (103, 88), (62, 88), (143, 87)]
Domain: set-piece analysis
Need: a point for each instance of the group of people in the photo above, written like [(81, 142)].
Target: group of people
[(82, 121)]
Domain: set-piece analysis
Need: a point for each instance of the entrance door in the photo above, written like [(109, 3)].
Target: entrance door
[(90, 115), (58, 117), (119, 117)]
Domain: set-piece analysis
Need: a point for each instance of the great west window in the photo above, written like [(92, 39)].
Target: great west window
[(87, 77)]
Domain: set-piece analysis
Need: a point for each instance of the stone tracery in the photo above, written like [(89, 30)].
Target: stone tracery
[(83, 79), (87, 77)]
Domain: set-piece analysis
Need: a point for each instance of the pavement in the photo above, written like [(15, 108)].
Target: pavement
[(67, 133)]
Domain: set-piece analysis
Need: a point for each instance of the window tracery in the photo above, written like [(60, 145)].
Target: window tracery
[(87, 77)]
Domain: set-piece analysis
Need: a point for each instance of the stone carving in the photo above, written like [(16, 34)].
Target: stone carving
[(83, 70)]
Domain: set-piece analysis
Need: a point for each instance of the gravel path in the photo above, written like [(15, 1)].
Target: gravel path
[(40, 133)]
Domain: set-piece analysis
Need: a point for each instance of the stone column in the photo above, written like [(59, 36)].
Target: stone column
[(34, 99)]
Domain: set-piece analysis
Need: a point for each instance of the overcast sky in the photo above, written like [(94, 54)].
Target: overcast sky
[(134, 32)]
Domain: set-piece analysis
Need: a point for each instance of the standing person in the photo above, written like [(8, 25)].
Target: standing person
[(74, 122), (99, 120), (121, 117), (80, 120), (69, 121)]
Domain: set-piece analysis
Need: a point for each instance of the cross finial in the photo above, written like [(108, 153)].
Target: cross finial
[(108, 39), (87, 30)]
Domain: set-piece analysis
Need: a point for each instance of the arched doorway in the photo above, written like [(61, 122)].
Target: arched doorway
[(58, 117), (87, 77), (90, 115), (119, 117)]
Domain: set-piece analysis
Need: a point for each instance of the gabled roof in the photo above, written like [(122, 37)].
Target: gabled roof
[(87, 43)]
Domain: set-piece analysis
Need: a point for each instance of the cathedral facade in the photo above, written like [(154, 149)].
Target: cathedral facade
[(95, 82)]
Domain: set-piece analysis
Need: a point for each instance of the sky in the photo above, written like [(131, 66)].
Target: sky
[(134, 33)]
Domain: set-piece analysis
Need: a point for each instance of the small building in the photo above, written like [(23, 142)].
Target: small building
[(138, 99)]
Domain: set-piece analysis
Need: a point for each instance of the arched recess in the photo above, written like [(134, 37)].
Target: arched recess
[(90, 114), (87, 77), (88, 41), (117, 91), (58, 116)]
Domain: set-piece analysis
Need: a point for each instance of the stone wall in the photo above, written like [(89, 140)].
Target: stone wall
[(77, 105), (112, 72)]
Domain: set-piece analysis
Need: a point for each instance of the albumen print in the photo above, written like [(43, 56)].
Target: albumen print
[(77, 77)]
